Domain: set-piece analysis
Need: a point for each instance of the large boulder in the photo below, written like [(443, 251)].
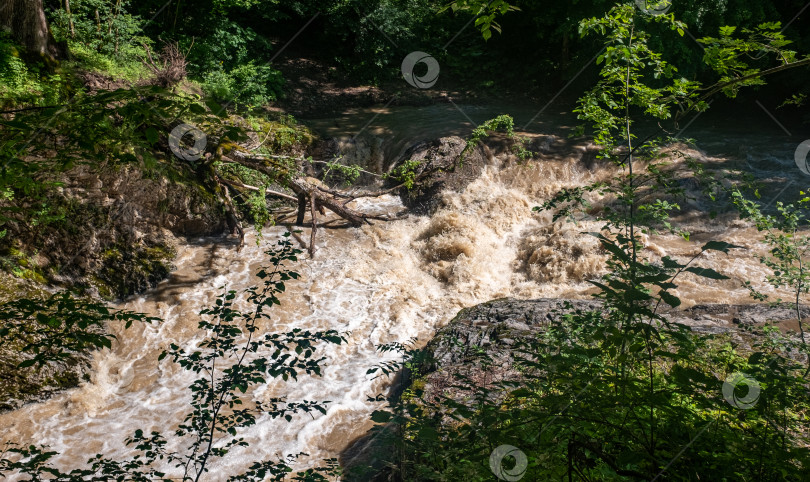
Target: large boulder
[(441, 168), (494, 328)]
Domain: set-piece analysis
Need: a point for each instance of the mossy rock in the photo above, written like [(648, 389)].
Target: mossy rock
[(21, 385), (127, 270)]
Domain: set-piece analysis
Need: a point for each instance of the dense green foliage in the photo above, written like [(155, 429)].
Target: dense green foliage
[(785, 235), (618, 393), (56, 328), (25, 82), (229, 42), (623, 393)]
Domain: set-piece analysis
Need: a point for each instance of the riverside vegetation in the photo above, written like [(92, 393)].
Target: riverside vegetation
[(620, 392), (615, 393)]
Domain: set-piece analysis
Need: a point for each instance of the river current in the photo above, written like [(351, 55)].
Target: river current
[(393, 281)]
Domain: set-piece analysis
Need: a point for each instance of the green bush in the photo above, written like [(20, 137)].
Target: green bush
[(247, 85), (225, 47), (128, 65), (104, 26), (224, 61), (24, 82)]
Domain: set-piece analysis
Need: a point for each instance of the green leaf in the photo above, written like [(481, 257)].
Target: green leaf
[(706, 272), (380, 416), (670, 263), (152, 135), (216, 108), (16, 124), (719, 246), (196, 109), (670, 299), (26, 364)]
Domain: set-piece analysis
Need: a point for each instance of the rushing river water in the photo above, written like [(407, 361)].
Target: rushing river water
[(392, 281)]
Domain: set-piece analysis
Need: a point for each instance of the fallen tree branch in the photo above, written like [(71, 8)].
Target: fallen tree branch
[(312, 210), (233, 219), (310, 193), (269, 192), (313, 161)]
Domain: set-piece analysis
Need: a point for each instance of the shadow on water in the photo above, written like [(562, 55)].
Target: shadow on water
[(740, 136), (368, 458), (399, 127), (182, 281)]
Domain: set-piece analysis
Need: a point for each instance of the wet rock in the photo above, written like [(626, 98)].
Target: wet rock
[(129, 269), (446, 170), (755, 314), (494, 327), (117, 232), (19, 386)]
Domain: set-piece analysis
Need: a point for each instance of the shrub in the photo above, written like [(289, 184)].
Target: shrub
[(248, 84), (25, 83), (104, 26), (128, 65)]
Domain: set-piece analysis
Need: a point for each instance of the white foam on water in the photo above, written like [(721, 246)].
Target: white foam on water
[(390, 281)]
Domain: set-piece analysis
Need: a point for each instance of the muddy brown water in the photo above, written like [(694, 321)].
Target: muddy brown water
[(388, 282)]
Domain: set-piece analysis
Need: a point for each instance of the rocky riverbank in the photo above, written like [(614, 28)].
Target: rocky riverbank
[(492, 330), (494, 327)]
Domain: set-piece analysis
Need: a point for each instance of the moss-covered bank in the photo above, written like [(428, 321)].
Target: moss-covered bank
[(22, 385)]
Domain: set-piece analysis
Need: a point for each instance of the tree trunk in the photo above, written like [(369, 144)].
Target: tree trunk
[(70, 19), (26, 21), (302, 208), (313, 208)]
